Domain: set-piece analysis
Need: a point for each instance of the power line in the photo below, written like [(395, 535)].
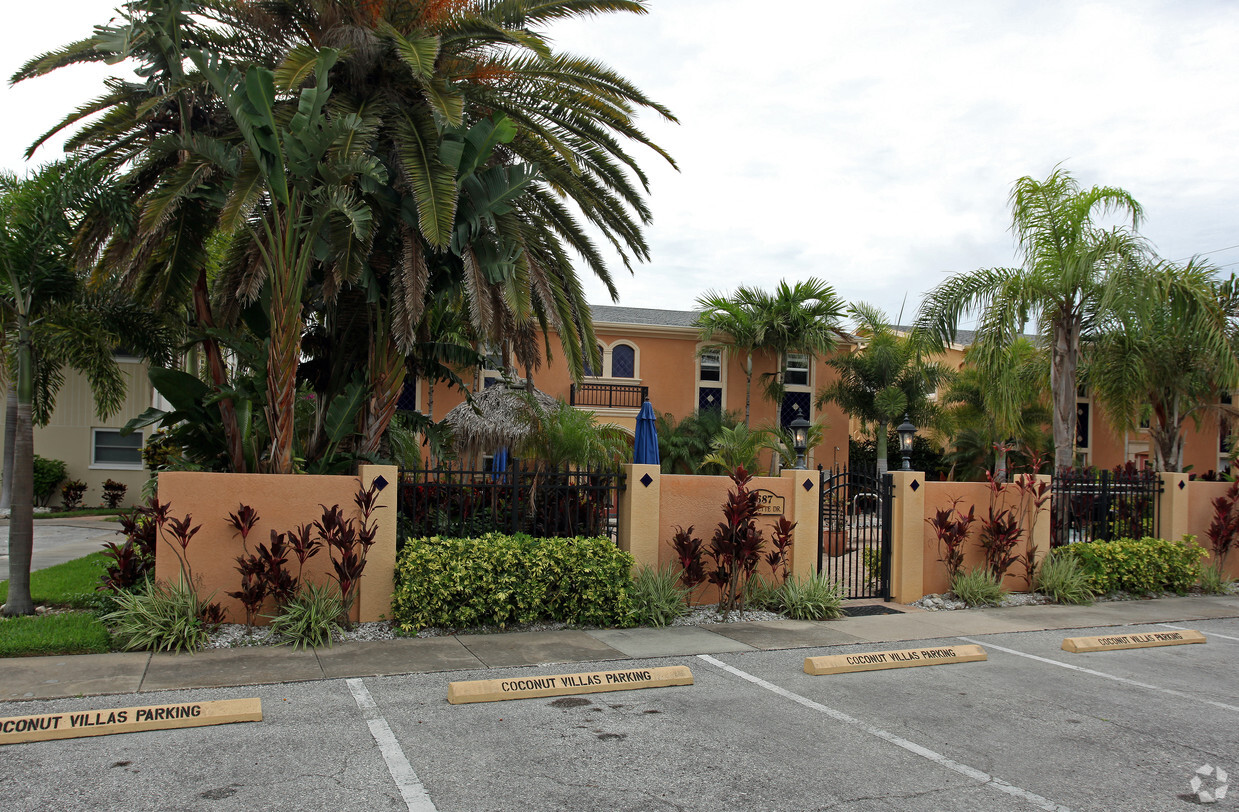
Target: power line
[(1205, 253)]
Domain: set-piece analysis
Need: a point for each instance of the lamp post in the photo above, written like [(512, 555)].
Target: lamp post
[(906, 432), (800, 439)]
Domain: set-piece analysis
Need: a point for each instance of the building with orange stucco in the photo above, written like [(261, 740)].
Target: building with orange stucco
[(657, 354)]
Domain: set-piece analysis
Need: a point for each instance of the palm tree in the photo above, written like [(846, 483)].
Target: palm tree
[(740, 318), (1074, 273), (51, 323), (805, 318), (885, 379), (495, 210), (1169, 353), (995, 405), (683, 444), (735, 447)]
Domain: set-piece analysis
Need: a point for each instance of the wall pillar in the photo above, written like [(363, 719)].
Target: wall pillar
[(803, 510), (378, 579), (1172, 506), (638, 513), (908, 536)]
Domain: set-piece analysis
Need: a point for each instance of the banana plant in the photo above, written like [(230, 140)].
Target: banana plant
[(311, 209)]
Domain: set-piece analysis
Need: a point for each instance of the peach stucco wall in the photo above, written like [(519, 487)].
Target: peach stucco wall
[(697, 501), (940, 495), (1200, 496), (282, 502)]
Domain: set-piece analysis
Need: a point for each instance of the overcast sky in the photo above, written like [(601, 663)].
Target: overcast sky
[(871, 144)]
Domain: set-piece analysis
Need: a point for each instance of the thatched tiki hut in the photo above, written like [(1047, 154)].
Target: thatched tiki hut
[(500, 415)]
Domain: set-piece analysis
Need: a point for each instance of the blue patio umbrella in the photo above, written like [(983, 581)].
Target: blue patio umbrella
[(500, 460), (645, 443)]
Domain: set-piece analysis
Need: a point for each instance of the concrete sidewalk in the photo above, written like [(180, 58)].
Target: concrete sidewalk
[(92, 674)]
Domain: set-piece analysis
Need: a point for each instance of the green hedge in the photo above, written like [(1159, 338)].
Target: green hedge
[(1139, 565), (500, 580)]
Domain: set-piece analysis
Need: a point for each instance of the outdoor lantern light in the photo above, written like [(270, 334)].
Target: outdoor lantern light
[(906, 432), (800, 439)]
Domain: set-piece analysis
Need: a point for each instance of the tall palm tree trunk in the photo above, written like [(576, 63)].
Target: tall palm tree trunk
[(10, 437), (386, 373), (1063, 363), (289, 255), (748, 386), (219, 375), (21, 519)]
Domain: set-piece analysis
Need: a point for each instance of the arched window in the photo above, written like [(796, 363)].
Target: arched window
[(623, 361)]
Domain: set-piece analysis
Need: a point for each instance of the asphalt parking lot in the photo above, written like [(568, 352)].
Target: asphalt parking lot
[(1033, 727)]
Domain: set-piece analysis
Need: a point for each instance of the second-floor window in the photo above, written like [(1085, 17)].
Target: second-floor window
[(796, 371), (711, 365)]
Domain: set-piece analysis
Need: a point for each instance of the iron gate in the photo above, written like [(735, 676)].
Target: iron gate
[(854, 531)]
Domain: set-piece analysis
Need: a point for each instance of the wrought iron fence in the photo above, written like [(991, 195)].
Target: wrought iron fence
[(854, 530), (1091, 505), (608, 395), (466, 503)]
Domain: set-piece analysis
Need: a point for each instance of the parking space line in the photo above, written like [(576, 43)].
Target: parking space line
[(1083, 670), (1207, 634), (410, 786), (912, 747)]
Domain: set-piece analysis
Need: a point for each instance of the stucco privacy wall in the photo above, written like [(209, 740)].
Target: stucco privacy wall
[(652, 508), (282, 503), (1200, 496), (940, 496)]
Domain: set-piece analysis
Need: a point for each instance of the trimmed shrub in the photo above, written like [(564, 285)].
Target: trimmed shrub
[(1062, 578), (47, 475), (71, 494), (1139, 565), (978, 587), (815, 597), (114, 493), (656, 597), (760, 593), (500, 580)]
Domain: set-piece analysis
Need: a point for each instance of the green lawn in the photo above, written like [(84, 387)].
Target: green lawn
[(71, 585), (81, 513), (64, 633)]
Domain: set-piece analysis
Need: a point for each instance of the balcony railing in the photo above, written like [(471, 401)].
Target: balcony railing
[(608, 395)]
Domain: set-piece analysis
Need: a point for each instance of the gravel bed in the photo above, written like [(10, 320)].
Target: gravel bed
[(947, 601), (236, 635)]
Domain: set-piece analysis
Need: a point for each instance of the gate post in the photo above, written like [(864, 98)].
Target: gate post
[(806, 486), (1172, 519), (907, 536), (638, 513)]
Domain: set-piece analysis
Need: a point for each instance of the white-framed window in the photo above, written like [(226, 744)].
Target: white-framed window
[(108, 449), (710, 380), (711, 366), (796, 370), (492, 365)]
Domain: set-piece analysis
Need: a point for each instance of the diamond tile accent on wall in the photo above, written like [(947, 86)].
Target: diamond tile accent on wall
[(915, 486), (380, 482), (646, 480), (1182, 484), (808, 485)]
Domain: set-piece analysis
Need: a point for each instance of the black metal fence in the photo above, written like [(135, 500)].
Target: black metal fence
[(854, 530), (608, 395), (1091, 505), (458, 502)]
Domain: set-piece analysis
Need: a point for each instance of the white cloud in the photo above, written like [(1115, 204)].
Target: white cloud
[(872, 144)]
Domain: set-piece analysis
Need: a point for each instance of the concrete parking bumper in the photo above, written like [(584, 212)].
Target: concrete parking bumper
[(93, 674)]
